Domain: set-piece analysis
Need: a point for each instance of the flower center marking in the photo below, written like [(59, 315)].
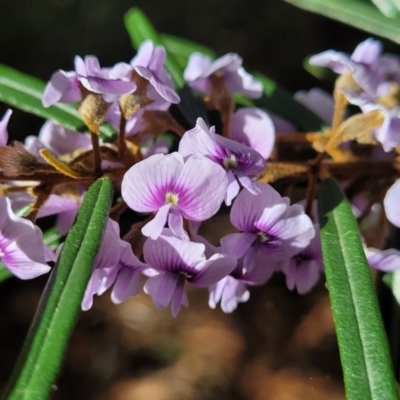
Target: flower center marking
[(262, 237), (230, 162), (270, 241), (186, 275), (171, 198)]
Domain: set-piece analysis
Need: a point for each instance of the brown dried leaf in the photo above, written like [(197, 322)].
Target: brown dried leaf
[(277, 170)]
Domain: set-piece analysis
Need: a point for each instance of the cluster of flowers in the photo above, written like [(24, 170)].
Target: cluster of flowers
[(182, 189)]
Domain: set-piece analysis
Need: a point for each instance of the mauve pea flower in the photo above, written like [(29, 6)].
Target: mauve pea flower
[(391, 204), (128, 281), (3, 127), (239, 161), (363, 65), (114, 264), (178, 261), (229, 66), (21, 244), (383, 260), (253, 128), (59, 140), (388, 134), (149, 64), (269, 225), (303, 270), (174, 189), (65, 87), (232, 290)]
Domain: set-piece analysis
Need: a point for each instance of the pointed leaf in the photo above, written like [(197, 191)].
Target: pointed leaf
[(25, 92), (361, 14), (48, 336), (362, 342)]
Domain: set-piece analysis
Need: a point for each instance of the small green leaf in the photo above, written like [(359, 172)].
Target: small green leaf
[(140, 29), (362, 341), (25, 92), (44, 348), (4, 273), (361, 14)]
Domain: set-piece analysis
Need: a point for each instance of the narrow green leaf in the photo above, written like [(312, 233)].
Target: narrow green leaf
[(25, 92), (362, 342), (140, 29), (362, 15), (48, 336)]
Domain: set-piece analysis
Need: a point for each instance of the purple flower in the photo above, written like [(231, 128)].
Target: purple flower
[(21, 244), (239, 160), (391, 204), (174, 189), (149, 64), (384, 260), (128, 281), (236, 79), (253, 128), (178, 261), (114, 264), (57, 139), (318, 101), (3, 128), (388, 134), (269, 226), (232, 289), (364, 65), (65, 87), (304, 269)]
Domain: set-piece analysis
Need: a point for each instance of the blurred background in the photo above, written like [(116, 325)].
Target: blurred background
[(277, 346)]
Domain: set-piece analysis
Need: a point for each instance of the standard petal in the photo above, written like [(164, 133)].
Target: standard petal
[(236, 244), (146, 184), (201, 187), (169, 253), (201, 141), (254, 128)]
